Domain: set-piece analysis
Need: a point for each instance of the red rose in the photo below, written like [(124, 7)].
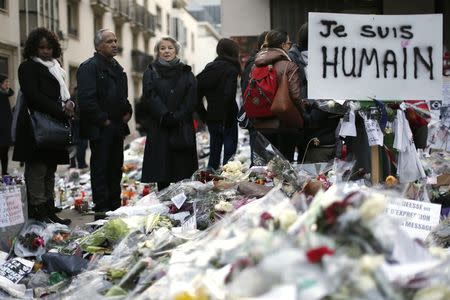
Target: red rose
[(315, 255)]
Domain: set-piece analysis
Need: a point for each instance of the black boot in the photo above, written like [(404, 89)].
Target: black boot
[(51, 204), (52, 217), (37, 212)]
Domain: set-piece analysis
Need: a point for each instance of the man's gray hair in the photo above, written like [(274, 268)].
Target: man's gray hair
[(98, 38)]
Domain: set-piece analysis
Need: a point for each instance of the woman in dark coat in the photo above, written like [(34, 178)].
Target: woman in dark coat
[(218, 83), (170, 93), (5, 121), (42, 83)]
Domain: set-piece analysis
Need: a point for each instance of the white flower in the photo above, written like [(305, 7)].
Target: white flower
[(331, 104), (233, 166), (224, 206), (438, 252), (365, 283), (438, 292), (287, 218), (369, 263), (372, 207)]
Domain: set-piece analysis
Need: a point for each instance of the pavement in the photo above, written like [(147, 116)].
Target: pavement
[(77, 218)]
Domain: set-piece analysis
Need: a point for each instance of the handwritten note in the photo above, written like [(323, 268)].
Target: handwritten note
[(11, 212), (374, 133)]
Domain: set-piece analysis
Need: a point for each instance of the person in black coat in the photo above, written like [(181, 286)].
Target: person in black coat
[(42, 83), (104, 114), (5, 121), (170, 94), (218, 83)]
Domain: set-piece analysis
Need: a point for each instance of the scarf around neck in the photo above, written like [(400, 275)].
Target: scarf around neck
[(55, 69), (165, 63)]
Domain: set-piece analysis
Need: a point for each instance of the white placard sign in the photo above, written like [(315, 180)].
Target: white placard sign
[(418, 218), (386, 57), (11, 212)]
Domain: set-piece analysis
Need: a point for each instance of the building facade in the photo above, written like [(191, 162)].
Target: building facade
[(138, 25)]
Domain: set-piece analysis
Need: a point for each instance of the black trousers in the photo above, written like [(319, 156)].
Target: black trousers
[(40, 181), (106, 168), (4, 159)]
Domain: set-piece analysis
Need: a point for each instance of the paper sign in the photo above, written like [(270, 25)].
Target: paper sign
[(11, 212), (446, 91), (191, 223), (385, 57), (15, 269), (179, 199), (348, 127), (374, 134), (418, 218)]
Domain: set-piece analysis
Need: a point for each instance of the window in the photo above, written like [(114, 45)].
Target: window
[(168, 24), (158, 18), (72, 18), (48, 14), (4, 66), (192, 42), (118, 31), (28, 15), (135, 41), (146, 40), (3, 5), (98, 22)]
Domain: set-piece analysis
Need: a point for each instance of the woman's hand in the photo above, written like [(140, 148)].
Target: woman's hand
[(69, 109)]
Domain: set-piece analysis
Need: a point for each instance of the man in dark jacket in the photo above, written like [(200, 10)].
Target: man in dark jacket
[(104, 114), (218, 83)]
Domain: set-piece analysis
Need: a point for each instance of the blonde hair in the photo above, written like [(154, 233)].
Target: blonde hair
[(169, 39)]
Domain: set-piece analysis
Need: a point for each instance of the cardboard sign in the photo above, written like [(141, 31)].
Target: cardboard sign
[(418, 218), (15, 269), (11, 212), (386, 57)]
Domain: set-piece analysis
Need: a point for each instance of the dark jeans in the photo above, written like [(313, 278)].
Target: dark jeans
[(80, 158), (4, 159), (81, 153), (220, 135), (106, 168), (40, 181)]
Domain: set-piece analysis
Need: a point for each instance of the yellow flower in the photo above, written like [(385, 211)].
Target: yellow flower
[(391, 181)]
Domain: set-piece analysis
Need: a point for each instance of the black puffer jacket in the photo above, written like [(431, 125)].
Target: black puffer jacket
[(218, 83)]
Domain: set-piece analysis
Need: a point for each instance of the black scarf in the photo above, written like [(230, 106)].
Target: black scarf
[(169, 70)]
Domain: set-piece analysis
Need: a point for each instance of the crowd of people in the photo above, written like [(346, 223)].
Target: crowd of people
[(172, 97)]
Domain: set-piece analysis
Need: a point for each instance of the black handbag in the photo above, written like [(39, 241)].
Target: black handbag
[(182, 137), (49, 132)]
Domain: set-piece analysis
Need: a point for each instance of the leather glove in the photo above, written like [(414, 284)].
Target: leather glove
[(168, 120)]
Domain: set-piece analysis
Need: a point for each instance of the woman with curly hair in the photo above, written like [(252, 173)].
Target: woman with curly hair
[(41, 80)]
